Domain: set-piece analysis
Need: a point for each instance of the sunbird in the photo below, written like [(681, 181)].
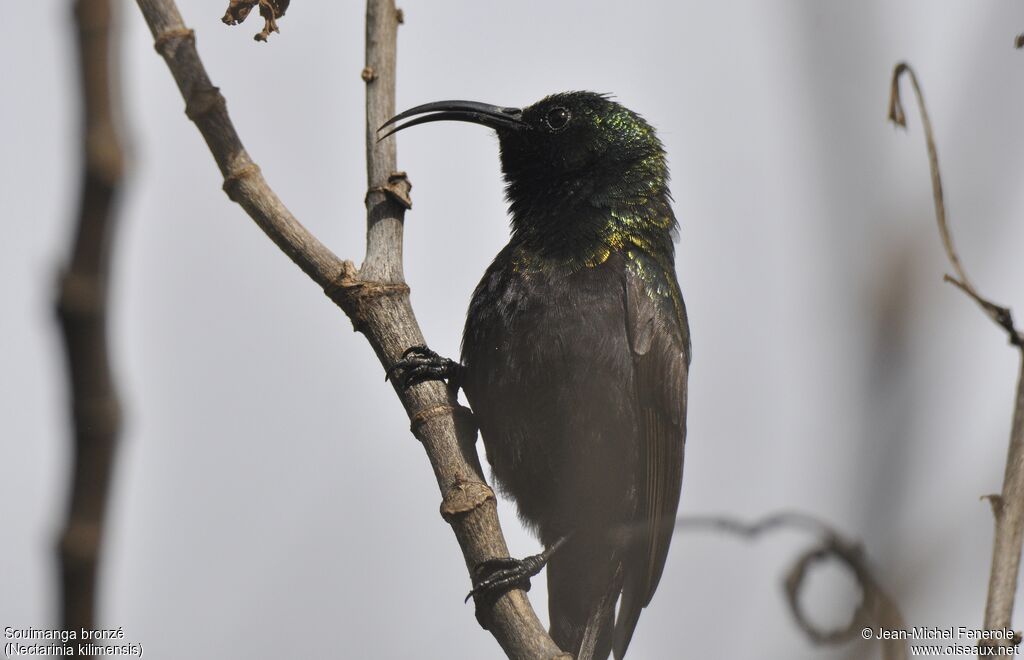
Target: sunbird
[(575, 358)]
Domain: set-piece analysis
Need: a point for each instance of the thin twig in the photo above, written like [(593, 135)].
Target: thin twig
[(999, 314), (82, 311), (877, 610), (375, 297), (1008, 507), (898, 117)]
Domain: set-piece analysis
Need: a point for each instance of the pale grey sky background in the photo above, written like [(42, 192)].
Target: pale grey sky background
[(270, 501)]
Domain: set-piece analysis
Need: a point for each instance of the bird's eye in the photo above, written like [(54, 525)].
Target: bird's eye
[(557, 118)]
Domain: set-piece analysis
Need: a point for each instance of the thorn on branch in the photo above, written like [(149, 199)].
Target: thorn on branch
[(996, 502), (270, 10)]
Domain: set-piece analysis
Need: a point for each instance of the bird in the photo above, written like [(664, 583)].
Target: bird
[(575, 358)]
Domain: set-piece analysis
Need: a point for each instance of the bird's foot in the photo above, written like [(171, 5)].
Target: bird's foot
[(494, 577), (419, 364)]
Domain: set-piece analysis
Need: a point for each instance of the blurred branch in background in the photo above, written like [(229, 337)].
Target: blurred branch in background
[(375, 297), (82, 312), (876, 610), (1007, 507)]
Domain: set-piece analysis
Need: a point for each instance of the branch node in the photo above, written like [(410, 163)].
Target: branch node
[(235, 177), (80, 541), (368, 74), (1019, 41), (166, 43), (1001, 316), (104, 155), (421, 418), (351, 294), (463, 497), (203, 100), (97, 416), (397, 188), (79, 294), (400, 17)]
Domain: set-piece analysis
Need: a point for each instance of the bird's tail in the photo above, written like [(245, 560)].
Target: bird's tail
[(584, 582), (633, 602)]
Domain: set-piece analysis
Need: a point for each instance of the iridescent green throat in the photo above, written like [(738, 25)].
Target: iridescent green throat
[(582, 223)]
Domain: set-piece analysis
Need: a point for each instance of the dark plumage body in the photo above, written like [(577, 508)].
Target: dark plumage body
[(575, 358), (549, 375)]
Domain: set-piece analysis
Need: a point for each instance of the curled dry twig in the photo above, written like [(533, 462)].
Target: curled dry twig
[(999, 314), (375, 297), (1008, 507), (81, 307), (876, 608)]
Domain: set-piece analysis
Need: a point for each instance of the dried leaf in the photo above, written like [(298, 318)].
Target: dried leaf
[(270, 10)]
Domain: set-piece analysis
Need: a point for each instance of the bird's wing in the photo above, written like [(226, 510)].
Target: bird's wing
[(659, 340)]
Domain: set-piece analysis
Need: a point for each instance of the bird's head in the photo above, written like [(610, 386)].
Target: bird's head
[(569, 152)]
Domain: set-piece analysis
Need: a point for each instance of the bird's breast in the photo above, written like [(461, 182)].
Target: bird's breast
[(548, 374)]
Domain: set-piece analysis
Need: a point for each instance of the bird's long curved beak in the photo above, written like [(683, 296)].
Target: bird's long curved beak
[(473, 112)]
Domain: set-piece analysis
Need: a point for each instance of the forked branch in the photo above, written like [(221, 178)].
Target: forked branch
[(375, 297)]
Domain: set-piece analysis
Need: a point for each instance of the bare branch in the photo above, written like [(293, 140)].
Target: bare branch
[(81, 307), (375, 297), (876, 609), (1007, 508), (999, 314)]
